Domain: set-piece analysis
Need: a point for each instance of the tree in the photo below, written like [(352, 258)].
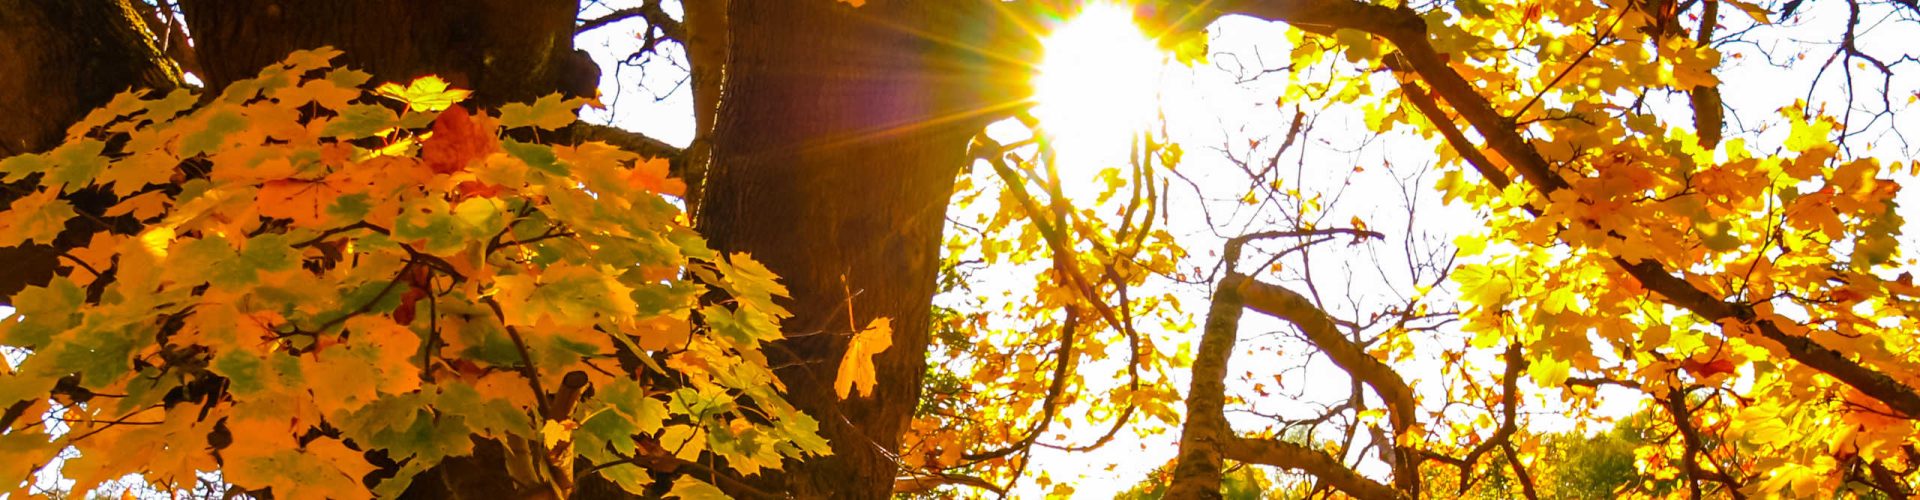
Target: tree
[(772, 155), (830, 136)]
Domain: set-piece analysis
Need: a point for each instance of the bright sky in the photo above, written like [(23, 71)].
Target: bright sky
[(1100, 83)]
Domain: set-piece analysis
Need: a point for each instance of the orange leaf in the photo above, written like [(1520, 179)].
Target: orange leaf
[(651, 175), (300, 200), (1707, 369), (856, 368), (457, 140)]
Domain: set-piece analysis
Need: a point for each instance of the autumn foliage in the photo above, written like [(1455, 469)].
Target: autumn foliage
[(322, 281), (320, 288)]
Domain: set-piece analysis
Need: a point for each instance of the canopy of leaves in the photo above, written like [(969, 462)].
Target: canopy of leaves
[(327, 281)]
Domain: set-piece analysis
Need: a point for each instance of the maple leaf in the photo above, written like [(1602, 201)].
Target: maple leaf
[(37, 217), (651, 175), (427, 93), (458, 140), (302, 201), (549, 112), (689, 488), (856, 368), (1707, 369)]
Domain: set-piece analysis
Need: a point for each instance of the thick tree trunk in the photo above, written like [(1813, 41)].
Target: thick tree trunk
[(839, 135), (835, 136), (58, 61), (504, 50)]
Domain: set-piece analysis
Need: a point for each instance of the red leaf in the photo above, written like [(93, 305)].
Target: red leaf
[(1707, 369), (457, 141), (404, 314), (471, 189)]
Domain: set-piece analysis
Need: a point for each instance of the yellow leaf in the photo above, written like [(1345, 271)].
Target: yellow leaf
[(37, 217), (156, 240), (1755, 11), (857, 366), (427, 93), (143, 206), (556, 432)]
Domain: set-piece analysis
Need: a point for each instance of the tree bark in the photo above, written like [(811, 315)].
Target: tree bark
[(835, 137), (839, 134), (60, 60), (504, 50)]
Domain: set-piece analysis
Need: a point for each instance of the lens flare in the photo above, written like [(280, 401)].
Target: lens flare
[(1097, 86)]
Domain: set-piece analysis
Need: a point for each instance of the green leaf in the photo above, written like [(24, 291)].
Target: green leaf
[(76, 164), (753, 284), (37, 217), (689, 488), (223, 122), (629, 477), (549, 112), (20, 166), (242, 371), (743, 327), (536, 156), (492, 417), (270, 252), (608, 429), (101, 354), (360, 120), (42, 312), (569, 294), (353, 206), (630, 399)]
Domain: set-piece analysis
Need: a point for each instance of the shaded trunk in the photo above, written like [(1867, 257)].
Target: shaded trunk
[(504, 50), (838, 138), (834, 136), (58, 61)]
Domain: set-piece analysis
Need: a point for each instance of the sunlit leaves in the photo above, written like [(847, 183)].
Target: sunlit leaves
[(428, 93), (550, 112), (856, 368), (688, 488), (392, 278), (35, 218)]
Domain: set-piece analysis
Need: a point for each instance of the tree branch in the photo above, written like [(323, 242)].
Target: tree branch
[(1205, 434), (1314, 462), (628, 140), (649, 11), (1407, 31), (922, 484)]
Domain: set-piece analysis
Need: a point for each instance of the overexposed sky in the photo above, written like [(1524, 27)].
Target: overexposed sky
[(1214, 110)]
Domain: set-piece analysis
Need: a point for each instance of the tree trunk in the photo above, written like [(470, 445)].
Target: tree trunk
[(839, 135), (836, 134), (58, 61), (504, 50)]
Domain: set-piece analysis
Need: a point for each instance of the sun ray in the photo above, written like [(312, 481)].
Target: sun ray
[(1097, 88)]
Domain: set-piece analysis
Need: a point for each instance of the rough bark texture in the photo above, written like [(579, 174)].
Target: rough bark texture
[(59, 60), (835, 137), (1205, 435), (65, 58), (839, 134), (505, 50)]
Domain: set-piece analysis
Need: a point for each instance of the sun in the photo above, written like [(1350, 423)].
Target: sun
[(1097, 87)]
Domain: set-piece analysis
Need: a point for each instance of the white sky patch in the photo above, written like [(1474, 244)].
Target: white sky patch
[(1097, 88)]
